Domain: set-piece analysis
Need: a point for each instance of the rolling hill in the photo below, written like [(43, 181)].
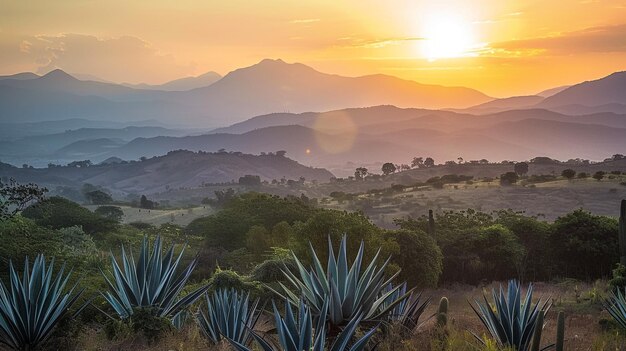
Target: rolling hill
[(174, 170)]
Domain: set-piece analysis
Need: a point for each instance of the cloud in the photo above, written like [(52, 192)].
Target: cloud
[(380, 43), (122, 59), (604, 39), (305, 20)]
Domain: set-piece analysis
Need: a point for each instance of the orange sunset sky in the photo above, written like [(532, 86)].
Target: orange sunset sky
[(497, 46)]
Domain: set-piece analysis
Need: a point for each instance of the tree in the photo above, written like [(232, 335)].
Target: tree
[(584, 246), (15, 197), (499, 251), (360, 173), (521, 168), (250, 180), (509, 178), (388, 168), (281, 153), (147, 204), (56, 212), (111, 212), (429, 162), (258, 239), (568, 173), (417, 162), (450, 163), (459, 160), (98, 197), (599, 175), (423, 272)]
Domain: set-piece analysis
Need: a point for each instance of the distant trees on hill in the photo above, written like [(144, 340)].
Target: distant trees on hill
[(360, 173), (250, 180), (568, 173), (147, 204), (388, 168), (521, 168), (509, 178), (98, 197)]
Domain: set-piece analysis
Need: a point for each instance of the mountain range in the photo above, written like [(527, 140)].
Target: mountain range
[(367, 119), (269, 86)]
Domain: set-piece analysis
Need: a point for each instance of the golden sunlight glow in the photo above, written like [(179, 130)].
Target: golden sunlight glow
[(446, 36)]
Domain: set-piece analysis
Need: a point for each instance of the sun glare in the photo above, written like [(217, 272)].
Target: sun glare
[(446, 36)]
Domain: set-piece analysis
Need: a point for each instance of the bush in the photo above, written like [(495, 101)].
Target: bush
[(509, 178), (57, 212), (583, 245), (111, 212)]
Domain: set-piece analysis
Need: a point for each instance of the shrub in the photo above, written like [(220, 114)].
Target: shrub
[(57, 212)]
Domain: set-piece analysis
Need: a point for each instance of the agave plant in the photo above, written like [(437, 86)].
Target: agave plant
[(34, 304), (229, 314), (348, 291), (615, 304), (153, 281), (511, 321), (296, 332), (407, 312)]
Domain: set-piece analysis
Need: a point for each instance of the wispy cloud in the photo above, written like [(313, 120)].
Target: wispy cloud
[(379, 43), (305, 20), (119, 59), (595, 39)]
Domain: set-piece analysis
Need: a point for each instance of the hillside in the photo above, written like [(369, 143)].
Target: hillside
[(605, 91), (174, 170)]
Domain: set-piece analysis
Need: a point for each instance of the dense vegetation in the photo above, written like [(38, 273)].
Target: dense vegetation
[(263, 245)]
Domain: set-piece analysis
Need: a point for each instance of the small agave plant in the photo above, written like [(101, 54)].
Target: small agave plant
[(512, 320), (348, 291), (615, 304), (152, 282), (229, 314), (33, 304), (303, 331), (407, 312)]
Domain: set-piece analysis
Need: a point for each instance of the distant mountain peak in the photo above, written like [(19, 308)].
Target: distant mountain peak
[(58, 74)]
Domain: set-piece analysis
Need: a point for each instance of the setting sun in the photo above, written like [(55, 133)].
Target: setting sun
[(446, 36)]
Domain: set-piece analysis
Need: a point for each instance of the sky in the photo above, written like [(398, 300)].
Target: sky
[(500, 47)]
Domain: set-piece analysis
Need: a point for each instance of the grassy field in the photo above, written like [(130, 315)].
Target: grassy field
[(549, 200), (157, 217)]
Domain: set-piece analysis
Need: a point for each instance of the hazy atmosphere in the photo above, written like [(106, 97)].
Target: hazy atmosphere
[(313, 175)]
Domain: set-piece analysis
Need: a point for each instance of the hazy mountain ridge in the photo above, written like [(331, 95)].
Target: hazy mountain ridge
[(267, 87), (181, 84)]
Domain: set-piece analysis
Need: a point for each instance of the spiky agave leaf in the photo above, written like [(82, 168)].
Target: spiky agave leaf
[(229, 314), (615, 304), (153, 280), (348, 290), (406, 313), (511, 322), (32, 306), (302, 331)]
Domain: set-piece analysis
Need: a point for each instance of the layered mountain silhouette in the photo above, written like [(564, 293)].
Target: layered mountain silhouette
[(269, 86), (182, 84)]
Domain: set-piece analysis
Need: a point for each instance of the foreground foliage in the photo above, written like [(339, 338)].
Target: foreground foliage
[(33, 304), (346, 290), (229, 314), (153, 281), (306, 332), (511, 319)]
